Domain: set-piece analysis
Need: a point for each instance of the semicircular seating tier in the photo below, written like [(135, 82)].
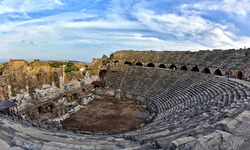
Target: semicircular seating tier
[(191, 110)]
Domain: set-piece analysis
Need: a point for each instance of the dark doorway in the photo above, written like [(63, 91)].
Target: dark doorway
[(116, 61), (102, 74), (173, 67), (40, 109), (240, 75), (162, 66), (56, 79), (217, 72), (128, 63), (195, 69), (139, 64), (150, 65), (206, 70), (1, 73), (184, 68), (75, 95)]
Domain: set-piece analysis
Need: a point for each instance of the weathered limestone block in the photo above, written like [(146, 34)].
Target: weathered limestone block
[(4, 145), (15, 148), (129, 96), (96, 65), (183, 143), (110, 93), (140, 99), (118, 94), (25, 144), (219, 140), (240, 125)]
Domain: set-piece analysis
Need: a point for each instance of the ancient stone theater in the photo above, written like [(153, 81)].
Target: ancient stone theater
[(134, 100)]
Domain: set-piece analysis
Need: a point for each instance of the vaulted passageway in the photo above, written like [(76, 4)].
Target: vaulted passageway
[(206, 70), (217, 72), (150, 65), (172, 67), (195, 69), (240, 75), (184, 68), (162, 66)]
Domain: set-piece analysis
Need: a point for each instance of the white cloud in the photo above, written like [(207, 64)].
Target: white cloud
[(25, 6), (60, 36), (240, 8)]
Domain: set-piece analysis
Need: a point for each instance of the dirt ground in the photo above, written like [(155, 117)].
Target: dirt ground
[(107, 114)]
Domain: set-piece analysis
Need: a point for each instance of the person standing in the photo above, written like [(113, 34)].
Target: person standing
[(227, 75)]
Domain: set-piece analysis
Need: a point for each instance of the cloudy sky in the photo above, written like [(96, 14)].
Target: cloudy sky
[(82, 30)]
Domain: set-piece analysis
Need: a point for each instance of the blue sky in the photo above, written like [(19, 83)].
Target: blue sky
[(82, 30)]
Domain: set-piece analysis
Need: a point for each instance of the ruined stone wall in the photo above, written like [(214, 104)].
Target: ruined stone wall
[(232, 61), (20, 73)]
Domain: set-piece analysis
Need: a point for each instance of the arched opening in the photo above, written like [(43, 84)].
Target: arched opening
[(150, 65), (173, 67), (240, 75), (56, 79), (128, 63), (184, 68), (102, 74), (206, 70), (139, 64), (1, 73), (116, 61), (162, 66), (75, 96), (40, 109), (195, 69), (217, 72)]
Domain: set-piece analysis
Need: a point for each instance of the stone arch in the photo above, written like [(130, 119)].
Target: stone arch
[(184, 68), (162, 66), (172, 67), (56, 79), (102, 74), (139, 64), (240, 75), (150, 65), (116, 61), (128, 63), (206, 70), (195, 69), (218, 72)]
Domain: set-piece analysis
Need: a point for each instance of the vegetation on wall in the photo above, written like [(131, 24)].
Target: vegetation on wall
[(69, 66), (2, 68)]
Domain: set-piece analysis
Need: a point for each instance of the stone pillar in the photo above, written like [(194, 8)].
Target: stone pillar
[(27, 90), (63, 73), (9, 91), (61, 82), (53, 87)]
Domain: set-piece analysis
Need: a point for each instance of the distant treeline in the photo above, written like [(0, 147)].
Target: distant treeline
[(69, 66)]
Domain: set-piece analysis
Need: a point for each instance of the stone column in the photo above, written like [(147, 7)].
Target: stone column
[(53, 87), (63, 73), (27, 90), (61, 82), (9, 91)]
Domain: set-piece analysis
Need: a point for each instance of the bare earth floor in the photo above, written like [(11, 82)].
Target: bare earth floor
[(107, 114)]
